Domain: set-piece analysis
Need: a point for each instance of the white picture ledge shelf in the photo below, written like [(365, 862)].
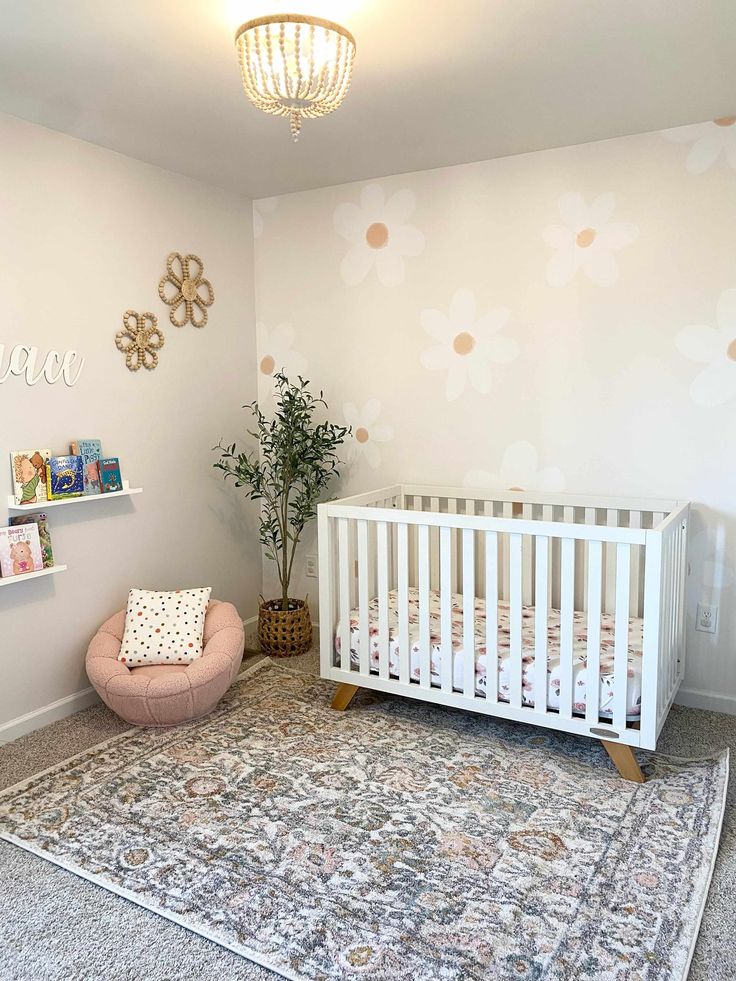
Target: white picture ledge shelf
[(127, 491), (9, 580)]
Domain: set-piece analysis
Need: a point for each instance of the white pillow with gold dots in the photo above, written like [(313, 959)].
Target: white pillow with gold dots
[(164, 628)]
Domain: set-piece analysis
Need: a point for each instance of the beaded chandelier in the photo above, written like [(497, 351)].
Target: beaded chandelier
[(295, 66)]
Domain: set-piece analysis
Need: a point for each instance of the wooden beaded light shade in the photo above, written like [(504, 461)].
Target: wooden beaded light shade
[(295, 66)]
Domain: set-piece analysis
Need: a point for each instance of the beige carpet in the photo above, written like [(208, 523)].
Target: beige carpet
[(63, 927)]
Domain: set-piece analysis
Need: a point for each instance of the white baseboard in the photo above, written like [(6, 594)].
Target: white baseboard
[(709, 700), (48, 713)]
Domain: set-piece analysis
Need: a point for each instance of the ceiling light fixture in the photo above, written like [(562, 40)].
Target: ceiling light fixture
[(295, 66)]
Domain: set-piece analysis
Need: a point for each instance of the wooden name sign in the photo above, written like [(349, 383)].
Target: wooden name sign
[(24, 360)]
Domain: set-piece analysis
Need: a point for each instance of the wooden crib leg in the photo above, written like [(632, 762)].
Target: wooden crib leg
[(344, 696), (624, 760)]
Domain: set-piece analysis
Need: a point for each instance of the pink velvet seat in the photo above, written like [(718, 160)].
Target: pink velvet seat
[(168, 694)]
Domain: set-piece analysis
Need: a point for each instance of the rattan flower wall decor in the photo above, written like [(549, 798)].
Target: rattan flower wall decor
[(184, 285), (139, 340)]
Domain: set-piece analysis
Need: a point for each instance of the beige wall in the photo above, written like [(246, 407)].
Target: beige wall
[(85, 235), (560, 319)]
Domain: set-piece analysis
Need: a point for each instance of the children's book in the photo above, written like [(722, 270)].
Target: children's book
[(20, 550), (64, 477), (47, 553), (90, 451), (28, 471), (110, 478)]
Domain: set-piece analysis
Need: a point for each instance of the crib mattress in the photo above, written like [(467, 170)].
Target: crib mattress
[(580, 672)]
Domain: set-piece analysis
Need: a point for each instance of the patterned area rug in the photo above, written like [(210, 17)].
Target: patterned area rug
[(397, 841)]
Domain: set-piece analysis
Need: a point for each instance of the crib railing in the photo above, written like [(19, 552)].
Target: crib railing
[(624, 558)]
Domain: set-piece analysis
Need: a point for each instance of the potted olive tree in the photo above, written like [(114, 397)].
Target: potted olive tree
[(295, 462)]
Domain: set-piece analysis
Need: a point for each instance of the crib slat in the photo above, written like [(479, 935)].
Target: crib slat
[(515, 663), (681, 584), (469, 611), (363, 598), (528, 558), (540, 625), (507, 510), (548, 514), (382, 562), (621, 636), (610, 560), (567, 613), (452, 509), (492, 617), (434, 550), (673, 614), (343, 558), (446, 609), (665, 654), (424, 633), (636, 553), (590, 519), (403, 601), (593, 654)]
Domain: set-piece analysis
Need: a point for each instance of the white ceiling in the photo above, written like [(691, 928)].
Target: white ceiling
[(436, 82)]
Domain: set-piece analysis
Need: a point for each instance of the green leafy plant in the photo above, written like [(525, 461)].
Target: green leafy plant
[(295, 462)]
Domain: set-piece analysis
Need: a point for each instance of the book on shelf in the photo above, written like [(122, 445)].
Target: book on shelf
[(90, 451), (110, 478), (20, 550), (28, 473), (44, 535), (64, 477)]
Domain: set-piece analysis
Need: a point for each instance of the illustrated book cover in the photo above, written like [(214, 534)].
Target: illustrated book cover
[(90, 451), (38, 519), (110, 478), (64, 477), (20, 550), (28, 472)]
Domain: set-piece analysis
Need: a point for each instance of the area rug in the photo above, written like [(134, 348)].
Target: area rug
[(397, 841)]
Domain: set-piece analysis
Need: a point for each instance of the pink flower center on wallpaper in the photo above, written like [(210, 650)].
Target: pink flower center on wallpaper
[(585, 238), (464, 343), (377, 235)]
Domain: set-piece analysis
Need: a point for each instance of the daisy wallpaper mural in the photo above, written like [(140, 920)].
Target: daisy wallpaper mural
[(538, 321)]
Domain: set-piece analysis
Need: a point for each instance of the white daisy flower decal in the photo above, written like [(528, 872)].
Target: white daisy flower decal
[(587, 240), (468, 345), (710, 141), (519, 472), (367, 431), (707, 556), (380, 237), (275, 354), (715, 347), (261, 208)]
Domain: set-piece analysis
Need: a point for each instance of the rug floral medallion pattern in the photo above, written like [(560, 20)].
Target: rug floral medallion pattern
[(397, 841)]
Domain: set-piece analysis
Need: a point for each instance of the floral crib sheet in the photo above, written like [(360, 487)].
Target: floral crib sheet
[(580, 636)]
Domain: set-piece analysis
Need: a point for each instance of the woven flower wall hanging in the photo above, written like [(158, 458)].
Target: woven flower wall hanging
[(139, 340), (184, 285)]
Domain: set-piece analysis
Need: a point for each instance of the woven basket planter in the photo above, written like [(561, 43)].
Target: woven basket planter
[(284, 633)]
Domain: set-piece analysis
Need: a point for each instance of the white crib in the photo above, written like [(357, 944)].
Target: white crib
[(605, 578)]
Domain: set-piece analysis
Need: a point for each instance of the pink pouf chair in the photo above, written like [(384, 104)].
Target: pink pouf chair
[(168, 694)]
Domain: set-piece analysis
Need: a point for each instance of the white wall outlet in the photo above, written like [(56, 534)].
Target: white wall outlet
[(707, 618), (312, 566)]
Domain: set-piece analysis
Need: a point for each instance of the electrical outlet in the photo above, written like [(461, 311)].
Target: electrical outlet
[(707, 618), (312, 567)]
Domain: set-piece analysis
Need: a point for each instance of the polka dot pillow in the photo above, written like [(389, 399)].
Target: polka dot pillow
[(164, 628)]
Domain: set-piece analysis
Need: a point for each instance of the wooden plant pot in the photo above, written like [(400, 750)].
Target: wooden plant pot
[(284, 633)]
